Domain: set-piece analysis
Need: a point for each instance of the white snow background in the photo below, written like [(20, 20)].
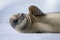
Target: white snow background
[(10, 7)]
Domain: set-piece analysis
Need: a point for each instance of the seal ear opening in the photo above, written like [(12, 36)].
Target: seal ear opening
[(35, 11)]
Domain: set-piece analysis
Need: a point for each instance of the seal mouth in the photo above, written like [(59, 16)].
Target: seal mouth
[(21, 25)]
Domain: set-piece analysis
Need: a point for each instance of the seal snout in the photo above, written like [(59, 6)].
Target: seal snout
[(16, 18), (13, 19)]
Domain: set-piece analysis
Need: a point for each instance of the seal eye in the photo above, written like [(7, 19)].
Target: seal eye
[(15, 21)]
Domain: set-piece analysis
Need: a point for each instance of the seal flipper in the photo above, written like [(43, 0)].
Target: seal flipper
[(35, 11)]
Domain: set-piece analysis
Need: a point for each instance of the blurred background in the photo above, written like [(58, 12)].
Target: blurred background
[(10, 7)]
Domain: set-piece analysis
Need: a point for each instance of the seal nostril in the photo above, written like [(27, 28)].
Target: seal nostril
[(15, 21)]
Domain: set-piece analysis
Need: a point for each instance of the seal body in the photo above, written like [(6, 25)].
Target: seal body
[(36, 21), (48, 23)]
